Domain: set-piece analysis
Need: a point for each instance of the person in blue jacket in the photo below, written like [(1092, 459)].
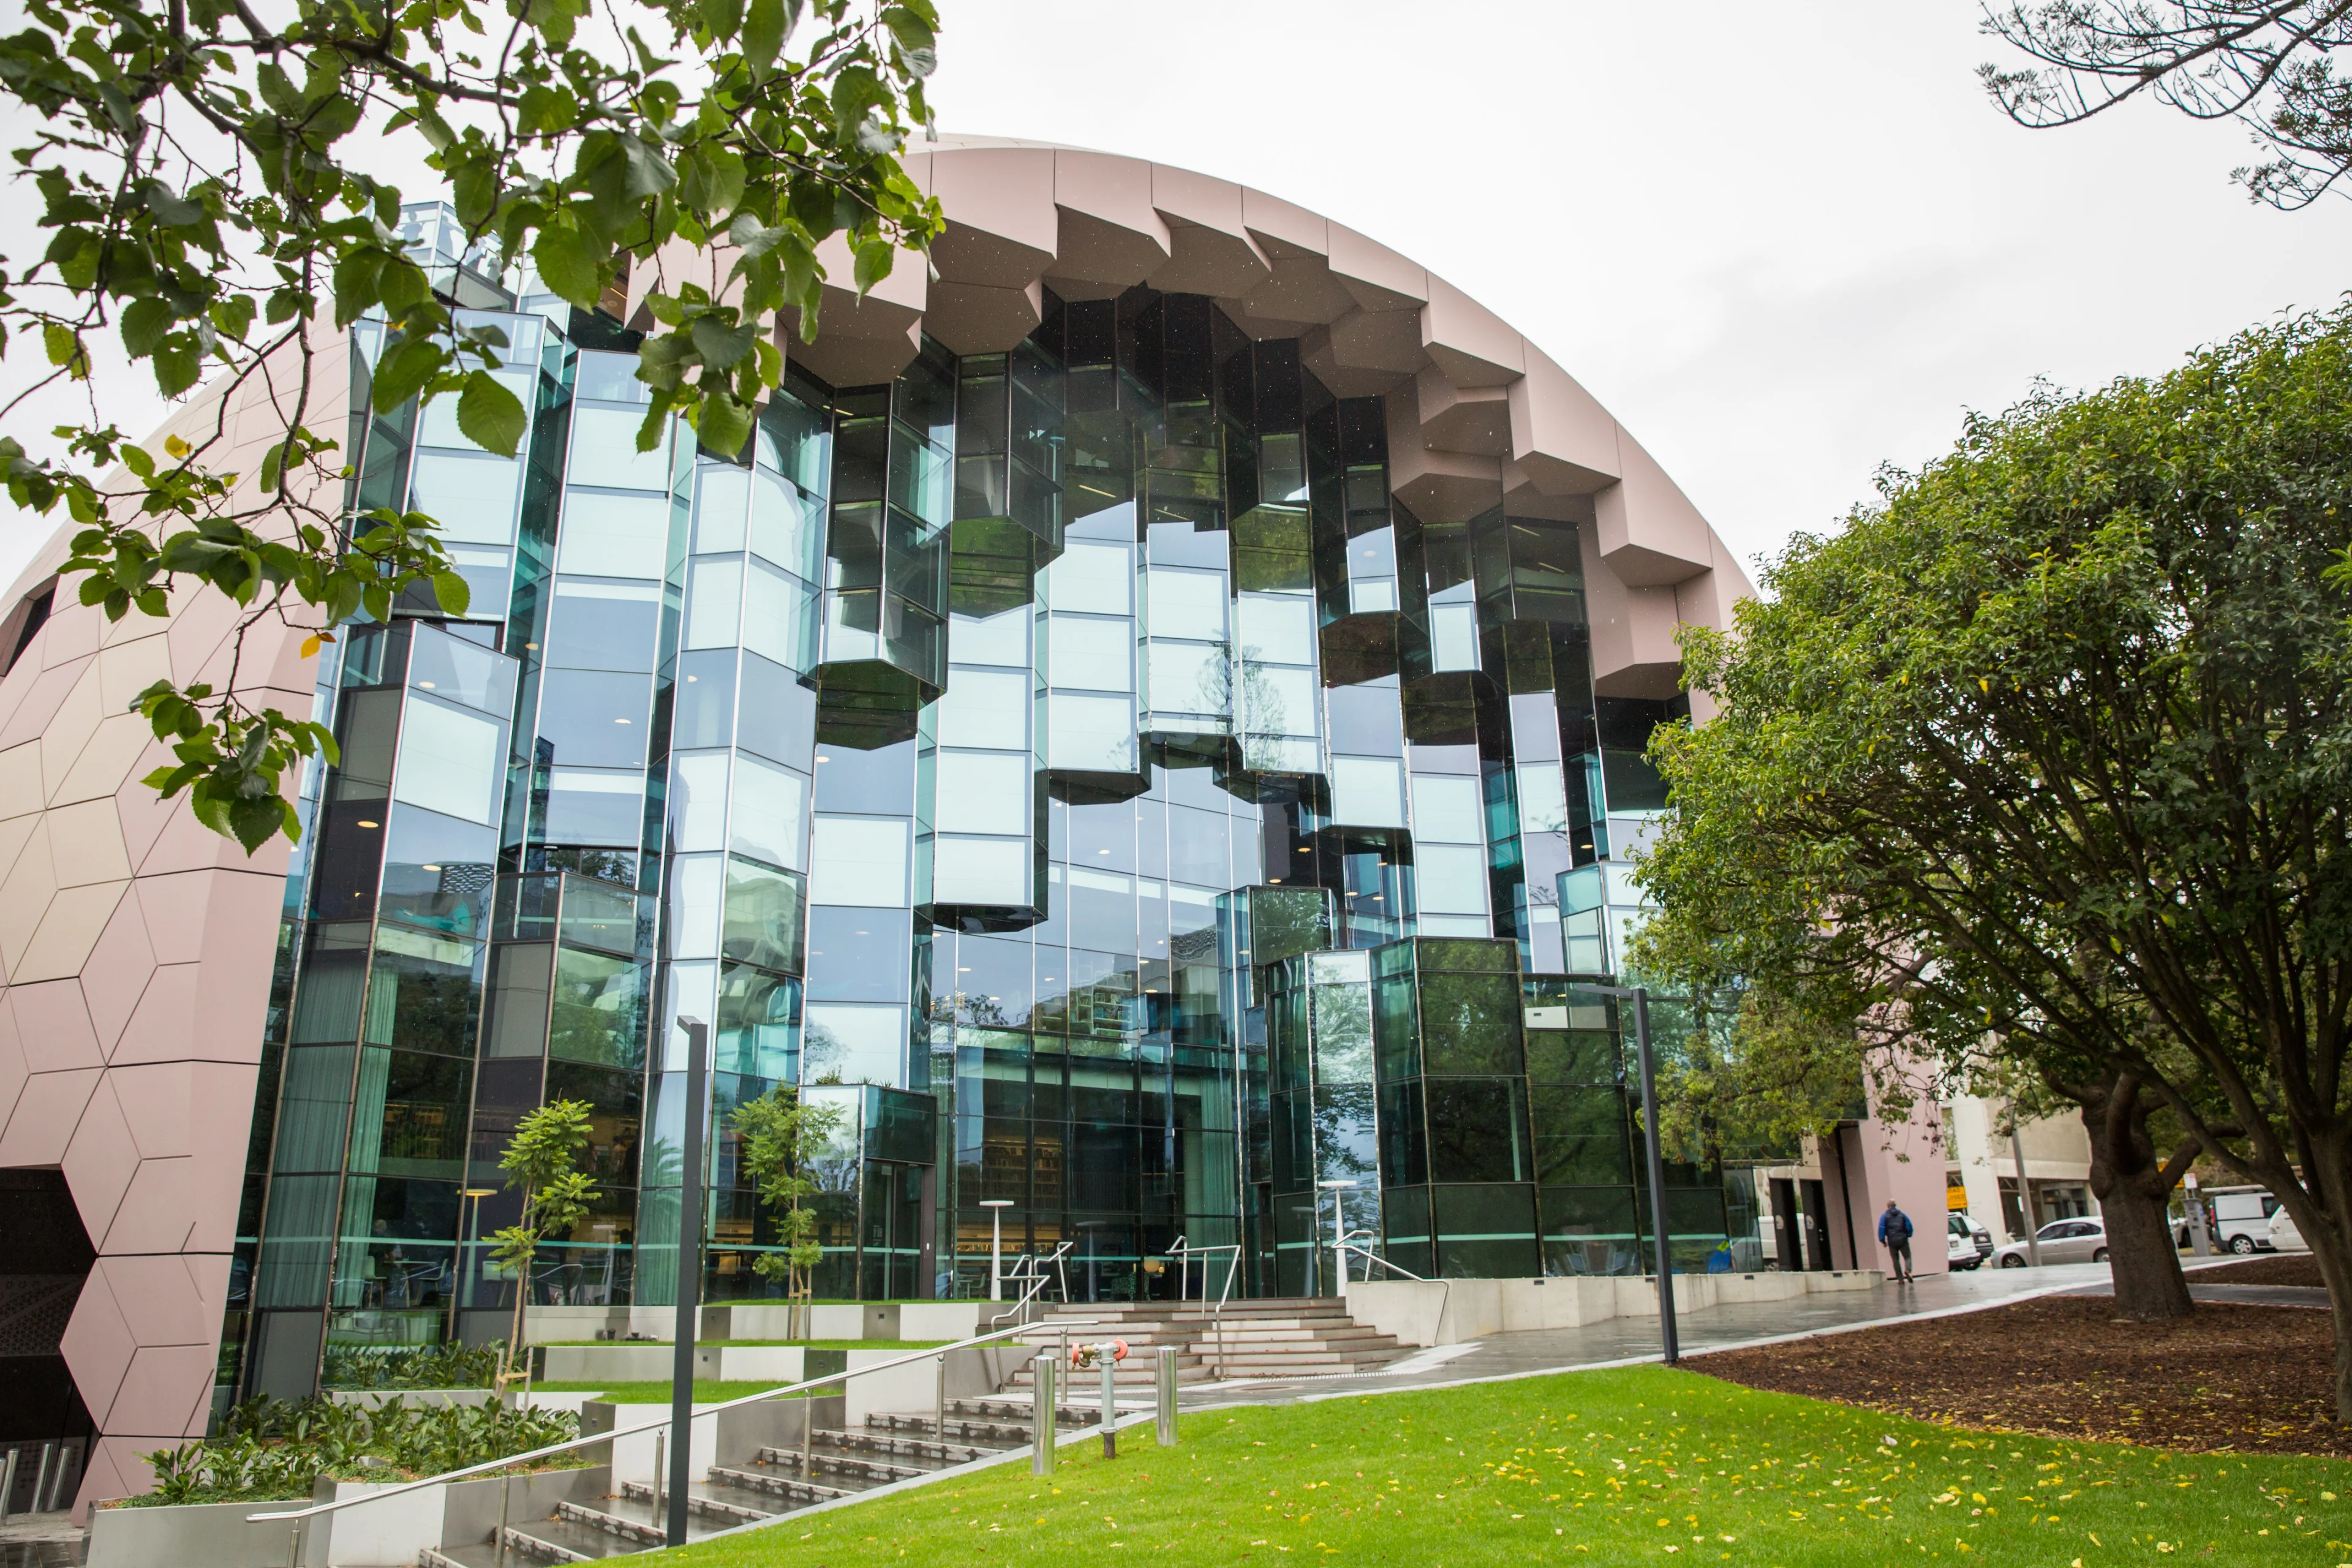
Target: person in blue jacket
[(1895, 1235)]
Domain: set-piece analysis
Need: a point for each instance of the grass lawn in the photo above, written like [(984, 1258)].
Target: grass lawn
[(706, 1391), (1640, 1465)]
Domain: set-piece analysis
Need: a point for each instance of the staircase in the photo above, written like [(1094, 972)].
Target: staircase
[(841, 1463), (1267, 1337)]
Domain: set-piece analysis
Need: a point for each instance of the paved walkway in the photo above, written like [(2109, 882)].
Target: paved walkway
[(1619, 1340)]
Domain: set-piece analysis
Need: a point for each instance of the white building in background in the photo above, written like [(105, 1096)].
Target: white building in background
[(1981, 1168)]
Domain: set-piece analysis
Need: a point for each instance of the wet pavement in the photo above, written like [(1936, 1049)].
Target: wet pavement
[(1618, 1342)]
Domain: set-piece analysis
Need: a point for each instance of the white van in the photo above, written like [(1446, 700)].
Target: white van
[(2241, 1218)]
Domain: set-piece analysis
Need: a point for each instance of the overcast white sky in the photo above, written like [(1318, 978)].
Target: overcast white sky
[(1782, 244)]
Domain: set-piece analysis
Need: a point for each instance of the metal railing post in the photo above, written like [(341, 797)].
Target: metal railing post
[(1164, 1394), (1105, 1353), (808, 1432), (1040, 1417), (8, 1484), (41, 1475), (506, 1506), (939, 1411)]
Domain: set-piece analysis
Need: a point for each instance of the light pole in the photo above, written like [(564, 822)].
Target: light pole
[(690, 1282), (1338, 1233), (471, 1202), (1639, 996), (996, 1207)]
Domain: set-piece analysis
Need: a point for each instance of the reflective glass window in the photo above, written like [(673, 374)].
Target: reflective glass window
[(853, 1043), (696, 891), (1450, 880), (1278, 701), (1278, 626), (451, 761), (1093, 577), (595, 718), (985, 708), (1367, 792), (1090, 734), (1447, 810), (722, 496), (609, 378), (698, 800), (459, 671), (604, 451), (599, 1008), (983, 792), (779, 615), (1453, 636), (858, 955), (1189, 678), (771, 809), (472, 498), (764, 919), (786, 526), (1092, 655), (980, 871), (612, 536), (705, 695), (1183, 603), (1543, 802), (1001, 638), (859, 860), (714, 603), (586, 806), (603, 625)]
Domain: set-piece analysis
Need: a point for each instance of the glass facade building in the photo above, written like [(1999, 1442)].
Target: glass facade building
[(1077, 760), (1152, 724)]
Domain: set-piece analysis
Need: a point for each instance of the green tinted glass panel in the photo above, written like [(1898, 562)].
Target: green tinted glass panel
[(1574, 1055), (599, 1009), (1470, 1023)]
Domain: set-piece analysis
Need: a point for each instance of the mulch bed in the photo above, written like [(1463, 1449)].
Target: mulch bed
[(2292, 1268), (2232, 1378)]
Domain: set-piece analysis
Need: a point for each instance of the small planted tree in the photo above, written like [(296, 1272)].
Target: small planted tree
[(783, 1136), (555, 1198)]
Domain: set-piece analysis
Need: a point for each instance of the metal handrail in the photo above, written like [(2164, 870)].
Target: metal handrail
[(663, 1424), (1216, 1313), (1036, 1279), (1444, 1297)]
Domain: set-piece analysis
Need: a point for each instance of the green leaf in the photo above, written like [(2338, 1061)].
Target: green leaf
[(490, 416), (145, 323), (764, 28), (874, 258), (723, 17), (178, 363), (64, 347), (724, 424), (451, 593), (719, 345), (570, 264), (403, 369)]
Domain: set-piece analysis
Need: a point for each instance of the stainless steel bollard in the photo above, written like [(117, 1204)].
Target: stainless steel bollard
[(8, 1484), (1109, 1365), (1164, 1390), (1044, 1372)]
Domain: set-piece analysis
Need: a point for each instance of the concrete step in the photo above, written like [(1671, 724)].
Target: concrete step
[(718, 1499)]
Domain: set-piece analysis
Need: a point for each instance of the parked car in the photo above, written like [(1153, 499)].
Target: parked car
[(2284, 1236), (2241, 1218), (1971, 1243), (2062, 1241)]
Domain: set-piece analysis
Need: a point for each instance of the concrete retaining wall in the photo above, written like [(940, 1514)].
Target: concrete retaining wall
[(378, 1535), (1448, 1312)]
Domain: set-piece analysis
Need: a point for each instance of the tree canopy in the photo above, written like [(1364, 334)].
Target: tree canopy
[(2268, 65), (2049, 753), (206, 214)]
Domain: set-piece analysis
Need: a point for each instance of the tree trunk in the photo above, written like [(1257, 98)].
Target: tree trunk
[(2134, 1186)]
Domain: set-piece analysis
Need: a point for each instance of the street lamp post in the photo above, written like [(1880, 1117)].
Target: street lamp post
[(690, 1282), (1338, 1233), (1669, 1340), (470, 1202), (996, 1207)]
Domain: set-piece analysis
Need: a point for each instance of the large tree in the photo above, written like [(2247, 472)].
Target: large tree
[(2049, 753), (205, 213), (2268, 65)]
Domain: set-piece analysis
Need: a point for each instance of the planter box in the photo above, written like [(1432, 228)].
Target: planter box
[(726, 1437), (384, 1535), (1472, 1309)]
